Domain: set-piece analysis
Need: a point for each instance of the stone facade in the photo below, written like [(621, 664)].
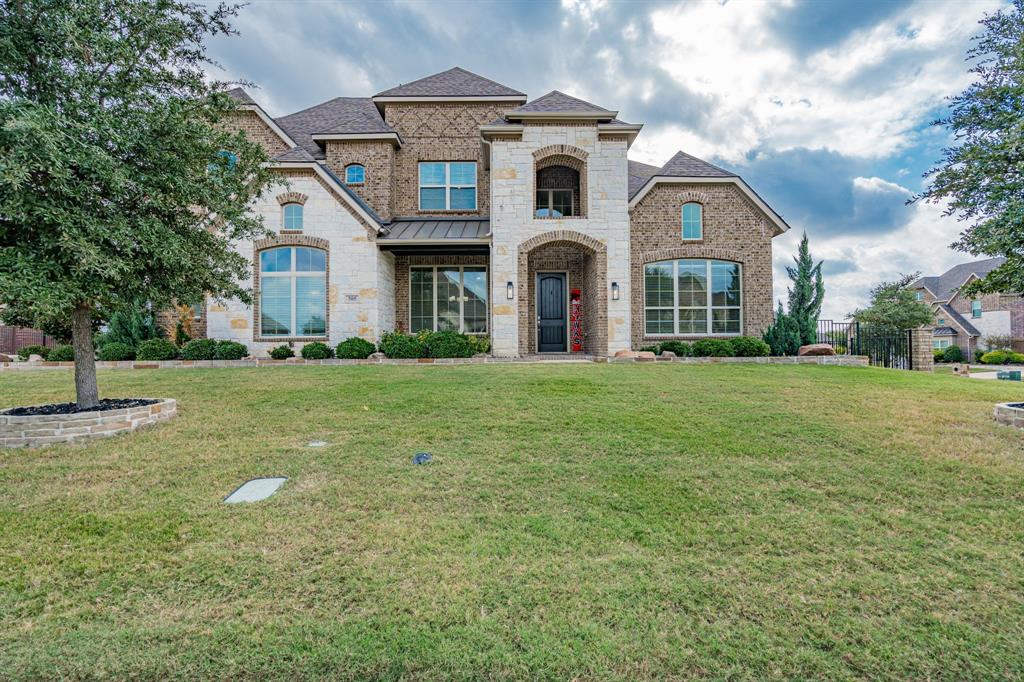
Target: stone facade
[(438, 132), (922, 359), (378, 158), (734, 230)]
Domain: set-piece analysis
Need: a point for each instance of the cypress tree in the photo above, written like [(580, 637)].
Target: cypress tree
[(807, 293)]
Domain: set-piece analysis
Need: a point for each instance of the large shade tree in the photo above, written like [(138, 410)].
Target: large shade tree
[(981, 177), (119, 182)]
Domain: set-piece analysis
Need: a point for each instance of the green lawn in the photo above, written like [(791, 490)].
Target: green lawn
[(578, 521)]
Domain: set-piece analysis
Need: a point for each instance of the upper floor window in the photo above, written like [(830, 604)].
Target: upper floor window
[(918, 296), (693, 221), (292, 217), (558, 192), (975, 308), (692, 297), (448, 186), (293, 292), (355, 174)]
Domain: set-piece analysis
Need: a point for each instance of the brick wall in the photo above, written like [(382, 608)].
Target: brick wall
[(554, 257), (378, 158), (257, 131), (734, 230), (438, 132)]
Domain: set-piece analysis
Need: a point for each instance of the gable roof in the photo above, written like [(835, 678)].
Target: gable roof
[(455, 82), (240, 95), (959, 320), (945, 286), (340, 116), (639, 174), (683, 165), (559, 102)]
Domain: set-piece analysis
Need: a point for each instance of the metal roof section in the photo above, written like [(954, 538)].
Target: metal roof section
[(438, 230)]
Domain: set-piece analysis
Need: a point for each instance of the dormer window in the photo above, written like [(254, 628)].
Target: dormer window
[(292, 218), (355, 174), (693, 221)]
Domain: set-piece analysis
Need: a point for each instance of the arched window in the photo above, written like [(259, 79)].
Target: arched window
[(558, 192), (693, 221), (693, 298), (355, 174), (293, 292), (292, 218)]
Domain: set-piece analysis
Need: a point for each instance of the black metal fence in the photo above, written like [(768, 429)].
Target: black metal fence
[(884, 347)]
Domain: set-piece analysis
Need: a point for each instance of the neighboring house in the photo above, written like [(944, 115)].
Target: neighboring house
[(965, 322), (453, 202)]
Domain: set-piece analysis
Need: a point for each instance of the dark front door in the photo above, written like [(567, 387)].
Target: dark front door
[(551, 312)]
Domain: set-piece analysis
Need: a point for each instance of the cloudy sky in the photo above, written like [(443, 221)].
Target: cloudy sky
[(823, 107)]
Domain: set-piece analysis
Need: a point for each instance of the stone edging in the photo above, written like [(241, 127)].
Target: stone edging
[(1009, 416), (37, 430), (841, 360)]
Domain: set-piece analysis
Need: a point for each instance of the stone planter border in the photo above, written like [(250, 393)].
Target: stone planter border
[(842, 360), (1006, 413), (47, 429)]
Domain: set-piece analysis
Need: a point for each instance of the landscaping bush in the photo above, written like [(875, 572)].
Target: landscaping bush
[(25, 351), (712, 348), (448, 344), (1013, 359), (115, 351), (231, 350), (282, 353), (399, 345), (156, 349), (656, 349), (61, 354), (995, 357), (480, 344), (682, 349), (355, 348), (749, 347), (317, 351), (952, 354), (939, 354), (199, 349)]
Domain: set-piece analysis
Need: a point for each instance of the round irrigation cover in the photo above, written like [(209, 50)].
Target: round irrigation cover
[(421, 458)]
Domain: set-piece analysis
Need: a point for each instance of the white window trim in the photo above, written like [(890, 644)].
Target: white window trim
[(675, 301), (976, 314), (941, 344), (462, 296), (682, 222), (284, 208), (448, 186), (572, 202), (293, 275), (355, 182)]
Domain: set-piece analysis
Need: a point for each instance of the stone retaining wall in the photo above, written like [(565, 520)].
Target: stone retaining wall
[(37, 430), (1010, 416), (843, 360)]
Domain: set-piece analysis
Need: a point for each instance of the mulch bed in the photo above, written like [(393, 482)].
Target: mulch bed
[(72, 408)]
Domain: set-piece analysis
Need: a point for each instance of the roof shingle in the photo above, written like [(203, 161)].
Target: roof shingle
[(557, 101), (945, 285), (639, 174), (341, 115), (455, 82), (682, 165), (241, 96)]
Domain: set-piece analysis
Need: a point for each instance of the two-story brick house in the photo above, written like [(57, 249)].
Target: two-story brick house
[(965, 321), (454, 202)]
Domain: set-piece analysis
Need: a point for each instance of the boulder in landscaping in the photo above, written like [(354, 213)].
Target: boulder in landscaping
[(645, 356), (816, 349), (625, 354)]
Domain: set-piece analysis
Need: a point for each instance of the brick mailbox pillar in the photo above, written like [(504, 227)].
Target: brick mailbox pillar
[(922, 357)]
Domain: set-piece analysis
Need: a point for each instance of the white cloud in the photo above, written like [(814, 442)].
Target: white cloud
[(879, 186)]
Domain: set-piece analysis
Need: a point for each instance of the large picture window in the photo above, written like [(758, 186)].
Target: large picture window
[(293, 292), (448, 186), (443, 298), (692, 298)]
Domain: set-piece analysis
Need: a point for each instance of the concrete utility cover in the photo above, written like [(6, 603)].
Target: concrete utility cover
[(317, 444), (255, 490)]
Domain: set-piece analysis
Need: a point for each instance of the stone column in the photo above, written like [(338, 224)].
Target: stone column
[(921, 354)]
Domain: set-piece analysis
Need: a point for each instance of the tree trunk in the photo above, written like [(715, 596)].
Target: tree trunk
[(86, 392)]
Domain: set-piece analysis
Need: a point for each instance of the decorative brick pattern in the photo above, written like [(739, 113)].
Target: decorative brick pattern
[(292, 198), (378, 158), (37, 431), (734, 230), (402, 265), (438, 132)]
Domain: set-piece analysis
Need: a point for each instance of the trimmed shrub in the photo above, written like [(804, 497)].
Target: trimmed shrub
[(749, 347), (656, 349), (995, 357), (282, 353), (682, 349), (939, 354), (952, 354), (25, 351), (61, 354), (199, 349), (156, 349), (479, 344), (448, 344), (712, 348), (317, 351), (355, 348), (1013, 359), (399, 345), (231, 350), (115, 351)]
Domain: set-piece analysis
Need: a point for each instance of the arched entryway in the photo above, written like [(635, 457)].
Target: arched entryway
[(551, 268)]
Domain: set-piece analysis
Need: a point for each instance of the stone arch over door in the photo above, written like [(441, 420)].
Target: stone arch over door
[(588, 259)]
